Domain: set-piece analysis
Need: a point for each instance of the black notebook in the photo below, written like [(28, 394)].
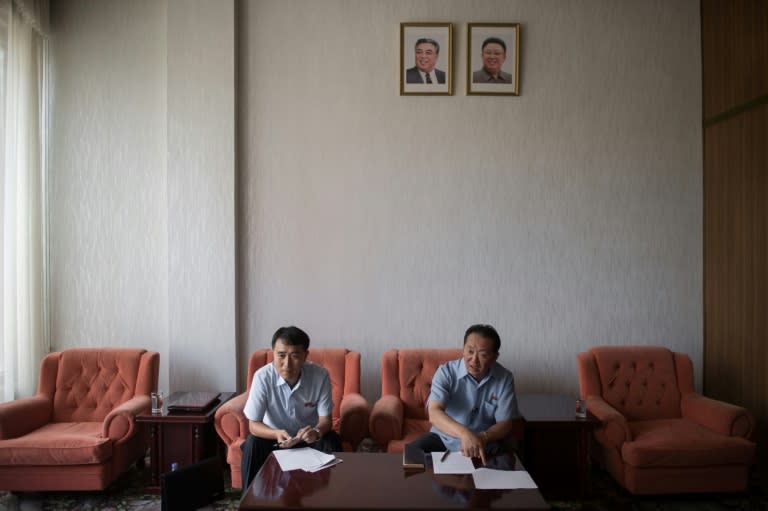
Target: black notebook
[(413, 457), (192, 401)]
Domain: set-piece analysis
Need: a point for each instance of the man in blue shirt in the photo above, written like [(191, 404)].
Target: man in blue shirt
[(289, 404), (472, 404)]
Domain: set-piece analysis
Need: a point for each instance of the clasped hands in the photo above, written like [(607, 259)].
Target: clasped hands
[(307, 434)]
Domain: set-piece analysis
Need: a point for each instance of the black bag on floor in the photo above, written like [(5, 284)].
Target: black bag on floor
[(193, 486)]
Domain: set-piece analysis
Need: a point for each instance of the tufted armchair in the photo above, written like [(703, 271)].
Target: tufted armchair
[(657, 434), (78, 432), (350, 409), (400, 415)]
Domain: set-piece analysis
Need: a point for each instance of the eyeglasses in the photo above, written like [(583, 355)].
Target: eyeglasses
[(492, 53)]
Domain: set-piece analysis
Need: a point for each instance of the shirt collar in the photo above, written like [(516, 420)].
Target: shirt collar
[(281, 380)]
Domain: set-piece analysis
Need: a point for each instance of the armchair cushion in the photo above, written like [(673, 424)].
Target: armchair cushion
[(59, 443), (640, 383), (682, 443)]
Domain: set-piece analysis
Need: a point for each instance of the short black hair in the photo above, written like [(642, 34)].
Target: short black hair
[(494, 40), (292, 336), (486, 332), (423, 40)]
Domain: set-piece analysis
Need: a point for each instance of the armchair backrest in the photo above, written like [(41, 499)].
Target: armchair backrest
[(343, 367), (85, 384), (641, 382), (408, 373)]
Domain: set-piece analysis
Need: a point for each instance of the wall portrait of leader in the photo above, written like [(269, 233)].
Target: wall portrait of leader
[(426, 59), (493, 59)]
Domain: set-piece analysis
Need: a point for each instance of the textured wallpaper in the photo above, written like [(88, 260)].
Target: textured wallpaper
[(567, 217), (108, 249)]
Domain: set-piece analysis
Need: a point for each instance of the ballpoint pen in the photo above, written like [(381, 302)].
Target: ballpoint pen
[(445, 455), (280, 444)]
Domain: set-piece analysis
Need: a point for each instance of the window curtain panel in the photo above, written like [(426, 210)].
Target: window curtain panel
[(23, 121)]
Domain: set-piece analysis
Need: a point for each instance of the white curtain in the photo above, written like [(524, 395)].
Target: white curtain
[(23, 131)]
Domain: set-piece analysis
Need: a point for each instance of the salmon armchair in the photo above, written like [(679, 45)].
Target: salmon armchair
[(400, 415), (657, 434), (350, 409), (79, 431)]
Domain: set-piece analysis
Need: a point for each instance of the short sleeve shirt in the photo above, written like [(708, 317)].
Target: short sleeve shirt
[(272, 401), (476, 405)]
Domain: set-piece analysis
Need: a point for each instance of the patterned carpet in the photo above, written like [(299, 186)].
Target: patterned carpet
[(127, 494)]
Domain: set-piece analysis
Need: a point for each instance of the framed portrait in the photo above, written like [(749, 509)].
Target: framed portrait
[(426, 59), (493, 58)]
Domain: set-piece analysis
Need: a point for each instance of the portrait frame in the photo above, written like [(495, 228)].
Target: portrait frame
[(411, 77), (501, 82)]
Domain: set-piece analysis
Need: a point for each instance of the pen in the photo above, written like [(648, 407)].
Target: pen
[(445, 455), (281, 444)]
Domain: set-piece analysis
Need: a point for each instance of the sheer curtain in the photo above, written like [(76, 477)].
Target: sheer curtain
[(23, 130)]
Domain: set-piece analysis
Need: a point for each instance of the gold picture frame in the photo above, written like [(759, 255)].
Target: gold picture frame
[(493, 59), (426, 59)]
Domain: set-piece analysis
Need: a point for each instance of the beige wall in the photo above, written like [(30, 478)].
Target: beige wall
[(567, 217), (108, 249)]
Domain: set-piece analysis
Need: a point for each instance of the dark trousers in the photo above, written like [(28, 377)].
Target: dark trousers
[(256, 450)]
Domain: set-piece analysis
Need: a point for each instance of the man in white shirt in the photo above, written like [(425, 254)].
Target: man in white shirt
[(472, 404), (289, 404)]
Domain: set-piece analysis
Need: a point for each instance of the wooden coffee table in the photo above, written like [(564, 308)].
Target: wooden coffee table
[(375, 481)]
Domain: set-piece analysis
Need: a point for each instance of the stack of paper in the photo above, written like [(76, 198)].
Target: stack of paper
[(304, 458)]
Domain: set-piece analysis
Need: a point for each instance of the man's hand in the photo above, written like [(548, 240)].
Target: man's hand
[(308, 434), (472, 446), (284, 440)]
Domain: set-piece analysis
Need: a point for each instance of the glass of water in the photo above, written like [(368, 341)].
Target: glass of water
[(157, 401), (581, 409)]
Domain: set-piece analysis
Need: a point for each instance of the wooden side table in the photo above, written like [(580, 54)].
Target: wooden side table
[(182, 438), (556, 444)]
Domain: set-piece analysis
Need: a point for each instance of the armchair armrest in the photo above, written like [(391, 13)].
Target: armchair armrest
[(120, 424), (613, 431), (355, 413), (21, 416), (386, 423), (719, 416), (230, 422)]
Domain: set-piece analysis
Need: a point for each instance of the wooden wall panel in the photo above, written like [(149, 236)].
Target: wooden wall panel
[(734, 45), (736, 260), (735, 103)]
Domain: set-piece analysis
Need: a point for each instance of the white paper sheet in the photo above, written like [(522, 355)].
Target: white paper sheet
[(454, 463), (490, 479), (305, 458), (334, 461)]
